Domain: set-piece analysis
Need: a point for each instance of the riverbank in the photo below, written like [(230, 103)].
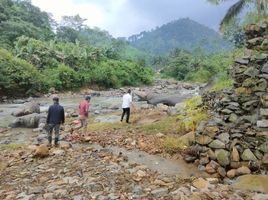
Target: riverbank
[(116, 160)]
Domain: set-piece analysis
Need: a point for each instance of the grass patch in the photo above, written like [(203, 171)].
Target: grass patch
[(221, 85), (193, 114), (173, 145), (10, 146), (166, 125)]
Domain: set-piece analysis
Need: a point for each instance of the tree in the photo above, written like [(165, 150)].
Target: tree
[(236, 9)]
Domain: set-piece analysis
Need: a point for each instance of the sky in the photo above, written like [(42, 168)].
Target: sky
[(123, 18)]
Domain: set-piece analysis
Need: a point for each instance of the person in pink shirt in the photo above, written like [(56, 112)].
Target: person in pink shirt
[(83, 114)]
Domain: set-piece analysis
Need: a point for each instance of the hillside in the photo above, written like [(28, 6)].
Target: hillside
[(183, 33)]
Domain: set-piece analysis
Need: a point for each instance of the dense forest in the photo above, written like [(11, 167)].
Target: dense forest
[(183, 34), (37, 54)]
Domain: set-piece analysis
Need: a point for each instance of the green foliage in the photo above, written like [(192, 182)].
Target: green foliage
[(22, 18), (193, 113), (198, 66), (117, 73), (61, 78), (17, 76), (76, 56), (184, 34), (223, 82), (238, 7)]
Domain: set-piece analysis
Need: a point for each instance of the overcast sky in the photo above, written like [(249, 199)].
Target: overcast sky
[(128, 17)]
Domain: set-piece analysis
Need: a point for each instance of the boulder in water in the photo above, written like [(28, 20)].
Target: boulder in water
[(28, 121), (28, 108)]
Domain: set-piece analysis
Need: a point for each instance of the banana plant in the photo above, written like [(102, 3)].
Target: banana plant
[(261, 7)]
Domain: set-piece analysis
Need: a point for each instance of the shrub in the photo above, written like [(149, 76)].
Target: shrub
[(61, 78), (17, 76)]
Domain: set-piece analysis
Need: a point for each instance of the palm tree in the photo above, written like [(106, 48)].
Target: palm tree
[(260, 5)]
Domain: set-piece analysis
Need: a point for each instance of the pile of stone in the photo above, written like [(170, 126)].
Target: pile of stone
[(235, 141)]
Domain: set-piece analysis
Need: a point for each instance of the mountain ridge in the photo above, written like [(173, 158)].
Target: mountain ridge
[(182, 33)]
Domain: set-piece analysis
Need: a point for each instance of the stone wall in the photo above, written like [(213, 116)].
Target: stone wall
[(235, 141)]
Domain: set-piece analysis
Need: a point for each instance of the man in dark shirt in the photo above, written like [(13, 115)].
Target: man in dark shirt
[(55, 118)]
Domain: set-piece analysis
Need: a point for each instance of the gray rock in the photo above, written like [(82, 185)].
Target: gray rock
[(262, 123), (260, 197), (265, 68), (224, 137), (261, 85), (28, 121), (247, 155), (233, 118), (226, 111), (137, 190), (160, 192), (252, 72), (222, 157), (35, 190), (242, 61), (264, 147), (264, 112), (78, 197), (28, 108), (216, 144)]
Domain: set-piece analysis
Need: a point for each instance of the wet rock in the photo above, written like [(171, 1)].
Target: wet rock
[(28, 121), (247, 155), (28, 108)]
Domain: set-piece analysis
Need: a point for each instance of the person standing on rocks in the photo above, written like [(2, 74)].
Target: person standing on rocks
[(55, 118), (83, 114), (127, 101)]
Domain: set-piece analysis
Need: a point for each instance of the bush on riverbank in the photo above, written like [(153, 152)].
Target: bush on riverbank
[(17, 76), (21, 78)]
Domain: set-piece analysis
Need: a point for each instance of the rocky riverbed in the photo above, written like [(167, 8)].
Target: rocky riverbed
[(115, 160)]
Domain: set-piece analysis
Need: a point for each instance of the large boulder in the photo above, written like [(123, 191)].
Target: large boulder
[(154, 99), (28, 121), (28, 108)]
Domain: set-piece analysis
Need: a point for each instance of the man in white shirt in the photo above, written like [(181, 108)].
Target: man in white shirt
[(127, 99)]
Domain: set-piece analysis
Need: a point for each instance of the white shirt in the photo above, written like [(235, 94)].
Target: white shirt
[(127, 99)]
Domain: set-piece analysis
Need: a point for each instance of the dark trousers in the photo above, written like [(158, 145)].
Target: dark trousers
[(125, 111), (56, 128)]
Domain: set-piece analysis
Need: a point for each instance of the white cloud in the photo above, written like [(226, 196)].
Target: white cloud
[(127, 17), (94, 14)]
